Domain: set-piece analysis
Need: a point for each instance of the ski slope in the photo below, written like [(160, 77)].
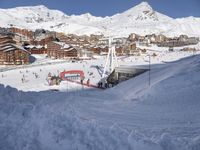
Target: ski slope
[(42, 66), (132, 115)]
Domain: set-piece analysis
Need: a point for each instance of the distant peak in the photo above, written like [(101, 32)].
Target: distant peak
[(40, 6), (87, 15), (140, 8), (144, 5), (33, 7)]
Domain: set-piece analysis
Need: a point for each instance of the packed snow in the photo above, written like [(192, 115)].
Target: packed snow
[(35, 75), (162, 114), (157, 110)]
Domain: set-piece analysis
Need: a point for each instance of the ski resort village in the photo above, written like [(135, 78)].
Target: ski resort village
[(128, 81)]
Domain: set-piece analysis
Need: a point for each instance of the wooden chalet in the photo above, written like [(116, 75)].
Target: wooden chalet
[(26, 33), (131, 50), (74, 40), (11, 53), (95, 50), (103, 50), (99, 50), (120, 51), (133, 37), (95, 38), (42, 42), (36, 49), (59, 50), (85, 53), (38, 46), (160, 38)]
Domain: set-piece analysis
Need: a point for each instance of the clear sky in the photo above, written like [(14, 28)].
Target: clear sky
[(172, 8)]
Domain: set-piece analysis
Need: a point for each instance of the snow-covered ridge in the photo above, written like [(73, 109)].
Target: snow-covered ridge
[(141, 19)]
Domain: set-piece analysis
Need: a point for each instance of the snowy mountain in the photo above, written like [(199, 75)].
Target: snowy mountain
[(141, 19)]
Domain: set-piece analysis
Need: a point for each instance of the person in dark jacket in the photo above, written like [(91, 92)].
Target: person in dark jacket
[(88, 82)]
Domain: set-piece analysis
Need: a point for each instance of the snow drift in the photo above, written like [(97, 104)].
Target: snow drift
[(162, 117)]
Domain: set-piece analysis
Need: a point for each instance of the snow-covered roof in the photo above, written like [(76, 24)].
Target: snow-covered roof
[(64, 45), (30, 46), (70, 48), (5, 47), (35, 46), (10, 47)]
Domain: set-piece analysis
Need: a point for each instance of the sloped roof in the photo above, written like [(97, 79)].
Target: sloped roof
[(64, 45), (35, 46), (10, 47), (69, 49)]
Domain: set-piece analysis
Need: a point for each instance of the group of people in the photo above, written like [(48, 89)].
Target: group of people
[(23, 76), (88, 81), (36, 75), (23, 79), (103, 85)]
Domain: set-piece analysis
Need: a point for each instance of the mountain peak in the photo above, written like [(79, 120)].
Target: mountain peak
[(86, 15), (41, 7), (141, 12), (143, 6), (141, 19)]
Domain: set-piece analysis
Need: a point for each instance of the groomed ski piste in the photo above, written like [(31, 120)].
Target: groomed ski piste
[(133, 115)]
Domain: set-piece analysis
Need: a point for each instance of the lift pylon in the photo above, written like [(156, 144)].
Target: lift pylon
[(111, 60)]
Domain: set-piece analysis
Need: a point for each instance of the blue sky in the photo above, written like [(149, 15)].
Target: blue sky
[(172, 8)]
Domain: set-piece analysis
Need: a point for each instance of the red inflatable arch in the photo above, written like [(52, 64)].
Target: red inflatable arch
[(71, 74)]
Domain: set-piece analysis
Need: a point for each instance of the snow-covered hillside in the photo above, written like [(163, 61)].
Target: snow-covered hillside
[(164, 116), (141, 19)]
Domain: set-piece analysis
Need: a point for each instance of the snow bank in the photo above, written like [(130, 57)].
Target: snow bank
[(27, 122), (163, 117), (186, 66)]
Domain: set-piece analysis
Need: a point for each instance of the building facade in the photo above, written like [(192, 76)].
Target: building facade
[(59, 50), (11, 53)]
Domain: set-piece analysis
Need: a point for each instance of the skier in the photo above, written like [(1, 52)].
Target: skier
[(98, 84), (81, 81), (101, 84), (36, 76), (82, 78), (49, 74), (106, 85), (88, 82)]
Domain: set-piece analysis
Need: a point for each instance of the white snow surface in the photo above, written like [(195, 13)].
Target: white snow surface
[(12, 75), (132, 115), (141, 19)]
